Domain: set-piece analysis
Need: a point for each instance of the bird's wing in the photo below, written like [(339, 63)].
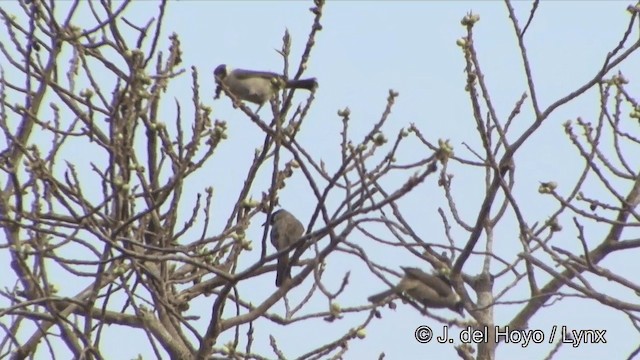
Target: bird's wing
[(295, 229), (436, 283), (275, 238), (247, 74)]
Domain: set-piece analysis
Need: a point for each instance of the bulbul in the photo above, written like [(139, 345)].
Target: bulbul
[(433, 291), (285, 230), (257, 86)]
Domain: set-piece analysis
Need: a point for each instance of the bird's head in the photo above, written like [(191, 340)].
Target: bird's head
[(275, 215), (221, 71)]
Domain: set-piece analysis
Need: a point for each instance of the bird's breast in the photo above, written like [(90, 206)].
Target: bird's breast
[(256, 90)]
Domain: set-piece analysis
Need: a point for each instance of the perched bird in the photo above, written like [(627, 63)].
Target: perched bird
[(433, 291), (285, 230), (257, 86)]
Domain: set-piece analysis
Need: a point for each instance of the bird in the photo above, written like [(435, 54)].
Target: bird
[(432, 291), (257, 86), (285, 230)]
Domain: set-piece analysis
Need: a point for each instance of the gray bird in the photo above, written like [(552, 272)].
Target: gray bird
[(257, 86), (433, 291), (285, 230)]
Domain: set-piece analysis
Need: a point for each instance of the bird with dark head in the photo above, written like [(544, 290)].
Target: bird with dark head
[(257, 87), (285, 230), (432, 291)]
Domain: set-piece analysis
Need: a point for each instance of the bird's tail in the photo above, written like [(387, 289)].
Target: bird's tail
[(283, 271), (308, 84), (376, 298)]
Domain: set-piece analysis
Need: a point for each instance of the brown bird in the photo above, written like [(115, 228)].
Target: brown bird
[(432, 291), (285, 230)]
